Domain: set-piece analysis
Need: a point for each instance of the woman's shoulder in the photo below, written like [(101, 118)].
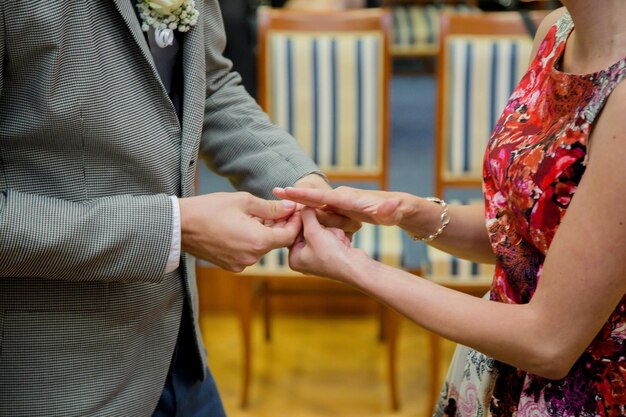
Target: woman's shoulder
[(545, 25), (549, 21)]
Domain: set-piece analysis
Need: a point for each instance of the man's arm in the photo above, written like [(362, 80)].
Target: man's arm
[(117, 238)]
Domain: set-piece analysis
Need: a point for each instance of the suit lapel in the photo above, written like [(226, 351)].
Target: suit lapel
[(194, 89), (130, 18)]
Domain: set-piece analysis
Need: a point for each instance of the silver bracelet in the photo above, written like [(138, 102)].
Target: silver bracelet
[(445, 219)]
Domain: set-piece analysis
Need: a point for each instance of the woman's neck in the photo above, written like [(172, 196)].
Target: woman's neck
[(599, 37)]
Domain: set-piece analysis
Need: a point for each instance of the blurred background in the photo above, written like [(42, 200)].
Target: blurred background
[(283, 345)]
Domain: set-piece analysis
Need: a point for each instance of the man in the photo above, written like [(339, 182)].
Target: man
[(100, 131)]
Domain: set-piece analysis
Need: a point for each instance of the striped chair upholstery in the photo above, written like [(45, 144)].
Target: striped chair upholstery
[(326, 90), (324, 77), (481, 73), (458, 273), (416, 28)]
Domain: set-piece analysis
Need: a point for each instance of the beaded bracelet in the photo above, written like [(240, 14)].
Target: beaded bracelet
[(445, 219)]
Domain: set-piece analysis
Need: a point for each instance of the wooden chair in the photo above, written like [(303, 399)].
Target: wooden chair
[(481, 59), (416, 29), (324, 76)]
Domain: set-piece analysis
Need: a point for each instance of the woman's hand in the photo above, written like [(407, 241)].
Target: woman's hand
[(377, 207), (323, 251)]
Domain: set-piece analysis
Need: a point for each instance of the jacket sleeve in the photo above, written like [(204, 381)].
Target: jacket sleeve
[(239, 141), (118, 238)]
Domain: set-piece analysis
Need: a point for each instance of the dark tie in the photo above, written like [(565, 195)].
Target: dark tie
[(167, 62)]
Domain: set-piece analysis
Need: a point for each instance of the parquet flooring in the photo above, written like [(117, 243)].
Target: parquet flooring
[(321, 366)]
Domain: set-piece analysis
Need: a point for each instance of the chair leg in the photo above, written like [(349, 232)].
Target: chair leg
[(265, 295), (392, 329), (382, 327), (435, 353), (245, 317)]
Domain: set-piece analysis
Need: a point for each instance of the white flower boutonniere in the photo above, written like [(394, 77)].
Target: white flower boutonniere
[(166, 16)]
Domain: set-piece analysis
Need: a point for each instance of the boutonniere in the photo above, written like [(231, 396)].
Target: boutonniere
[(166, 16)]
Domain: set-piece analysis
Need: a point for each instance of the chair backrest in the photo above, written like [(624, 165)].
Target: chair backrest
[(416, 26), (481, 59), (324, 77)]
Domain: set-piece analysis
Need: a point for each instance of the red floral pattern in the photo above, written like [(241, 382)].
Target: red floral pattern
[(534, 161)]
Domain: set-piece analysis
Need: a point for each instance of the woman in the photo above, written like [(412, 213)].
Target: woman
[(555, 192)]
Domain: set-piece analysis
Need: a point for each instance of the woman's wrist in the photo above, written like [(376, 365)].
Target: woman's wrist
[(444, 220), (424, 218), (358, 269)]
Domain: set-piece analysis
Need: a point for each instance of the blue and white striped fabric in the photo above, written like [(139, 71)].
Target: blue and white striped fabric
[(416, 28), (446, 269), (325, 89), (481, 73), (380, 242)]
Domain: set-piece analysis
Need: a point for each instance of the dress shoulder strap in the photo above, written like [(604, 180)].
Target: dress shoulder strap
[(606, 81)]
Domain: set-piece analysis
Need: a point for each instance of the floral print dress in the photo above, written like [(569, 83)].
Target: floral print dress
[(533, 164)]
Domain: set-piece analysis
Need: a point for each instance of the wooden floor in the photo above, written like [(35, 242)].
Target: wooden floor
[(322, 366)]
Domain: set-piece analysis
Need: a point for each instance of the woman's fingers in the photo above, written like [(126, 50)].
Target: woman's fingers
[(311, 197), (309, 221), (378, 207)]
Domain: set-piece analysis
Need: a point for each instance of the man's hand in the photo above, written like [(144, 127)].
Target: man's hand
[(234, 230)]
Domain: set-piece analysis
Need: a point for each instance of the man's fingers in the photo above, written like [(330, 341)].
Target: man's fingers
[(270, 210), (309, 220), (284, 233)]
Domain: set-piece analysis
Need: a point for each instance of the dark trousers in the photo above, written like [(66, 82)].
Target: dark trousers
[(184, 394)]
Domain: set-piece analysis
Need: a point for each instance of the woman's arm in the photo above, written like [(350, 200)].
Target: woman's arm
[(582, 281)]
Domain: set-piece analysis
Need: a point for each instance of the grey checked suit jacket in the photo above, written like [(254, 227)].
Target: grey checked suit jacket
[(90, 149)]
